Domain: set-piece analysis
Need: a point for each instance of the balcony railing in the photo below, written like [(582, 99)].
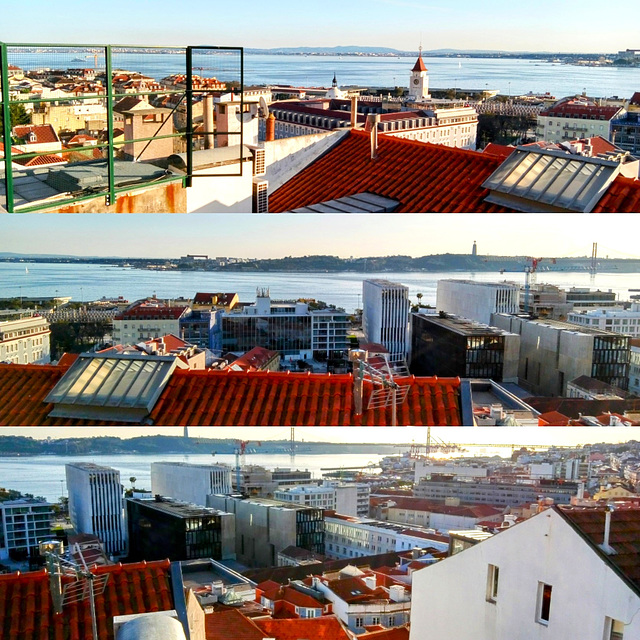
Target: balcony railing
[(107, 118)]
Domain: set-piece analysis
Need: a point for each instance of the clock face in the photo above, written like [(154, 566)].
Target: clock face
[(416, 81)]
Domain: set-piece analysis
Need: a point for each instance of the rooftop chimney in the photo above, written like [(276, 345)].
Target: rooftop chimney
[(374, 118), (605, 546), (354, 112), (270, 124)]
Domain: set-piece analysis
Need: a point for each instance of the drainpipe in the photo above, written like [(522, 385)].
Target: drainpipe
[(605, 546)]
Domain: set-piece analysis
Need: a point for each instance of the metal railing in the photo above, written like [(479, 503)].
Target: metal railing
[(108, 117)]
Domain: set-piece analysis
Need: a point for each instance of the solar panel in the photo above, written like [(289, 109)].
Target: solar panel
[(122, 387), (550, 180)]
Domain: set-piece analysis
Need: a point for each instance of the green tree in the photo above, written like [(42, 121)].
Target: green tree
[(18, 115)]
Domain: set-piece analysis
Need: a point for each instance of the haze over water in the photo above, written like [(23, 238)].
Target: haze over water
[(514, 76), (87, 282)]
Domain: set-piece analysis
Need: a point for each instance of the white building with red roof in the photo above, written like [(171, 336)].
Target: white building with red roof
[(419, 81), (146, 319), (576, 117)]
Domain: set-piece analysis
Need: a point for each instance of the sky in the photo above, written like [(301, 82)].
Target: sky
[(561, 436), (275, 236), (546, 25)]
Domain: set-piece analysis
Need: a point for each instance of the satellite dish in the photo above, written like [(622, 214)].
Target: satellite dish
[(264, 109)]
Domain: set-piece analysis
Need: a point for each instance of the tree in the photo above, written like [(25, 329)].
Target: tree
[(132, 480), (18, 115)]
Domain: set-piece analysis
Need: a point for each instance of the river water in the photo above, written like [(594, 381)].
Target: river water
[(508, 76), (86, 282)]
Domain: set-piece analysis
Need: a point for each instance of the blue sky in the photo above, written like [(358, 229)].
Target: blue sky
[(274, 236), (568, 25)]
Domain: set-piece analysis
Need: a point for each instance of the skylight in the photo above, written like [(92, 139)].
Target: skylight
[(118, 387), (358, 203), (549, 180)]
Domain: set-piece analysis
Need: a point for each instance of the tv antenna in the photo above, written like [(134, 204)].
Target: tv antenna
[(381, 371), (80, 583)]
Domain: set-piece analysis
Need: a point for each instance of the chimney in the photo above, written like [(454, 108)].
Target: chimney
[(370, 581), (581, 490), (354, 112), (374, 118), (270, 124), (208, 121), (607, 531)]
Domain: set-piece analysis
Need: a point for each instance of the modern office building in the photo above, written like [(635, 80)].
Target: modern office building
[(634, 366), (625, 130), (477, 300), (351, 499), (189, 482), (625, 321), (508, 494), (449, 346), (24, 339), (385, 315), (95, 503), (289, 327), (354, 537), (265, 527), (552, 353), (581, 297), (23, 524), (161, 528)]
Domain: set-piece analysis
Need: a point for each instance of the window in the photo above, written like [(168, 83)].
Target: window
[(613, 629), (544, 603), (493, 573), (359, 622)]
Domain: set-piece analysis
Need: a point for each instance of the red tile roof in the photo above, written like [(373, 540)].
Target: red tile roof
[(222, 298), (37, 161), (623, 196), (635, 99), (423, 177), (230, 624), (227, 398), (275, 592), (354, 590), (154, 311), (422, 504), (230, 398), (253, 360), (397, 633), (578, 110), (419, 65), (553, 419), (501, 151), (43, 132), (624, 536), (26, 609), (323, 628)]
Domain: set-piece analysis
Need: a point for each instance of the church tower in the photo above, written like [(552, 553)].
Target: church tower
[(419, 81)]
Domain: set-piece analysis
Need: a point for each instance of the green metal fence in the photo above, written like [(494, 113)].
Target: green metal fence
[(136, 107)]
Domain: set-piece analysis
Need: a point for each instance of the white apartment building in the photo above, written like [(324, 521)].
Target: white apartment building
[(385, 315), (625, 321), (349, 499), (424, 468), (25, 340), (23, 524), (554, 576), (95, 503), (146, 319), (575, 118), (477, 300), (190, 482), (351, 537)]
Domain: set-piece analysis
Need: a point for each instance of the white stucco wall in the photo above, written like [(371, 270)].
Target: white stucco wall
[(449, 598)]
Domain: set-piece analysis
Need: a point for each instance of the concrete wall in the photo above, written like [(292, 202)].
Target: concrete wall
[(543, 549), (222, 194), (511, 358), (288, 156), (189, 483), (423, 469)]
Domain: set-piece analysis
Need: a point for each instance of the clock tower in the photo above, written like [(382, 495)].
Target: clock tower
[(419, 81)]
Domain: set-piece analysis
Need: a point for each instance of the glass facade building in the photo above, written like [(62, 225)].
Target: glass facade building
[(287, 334)]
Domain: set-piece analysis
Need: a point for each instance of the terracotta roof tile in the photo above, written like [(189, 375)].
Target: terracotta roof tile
[(419, 65), (423, 177), (26, 609), (624, 536), (232, 398), (43, 132), (230, 624), (397, 633), (623, 196), (323, 628)]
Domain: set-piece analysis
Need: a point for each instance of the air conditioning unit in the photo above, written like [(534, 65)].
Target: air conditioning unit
[(260, 196), (259, 161)]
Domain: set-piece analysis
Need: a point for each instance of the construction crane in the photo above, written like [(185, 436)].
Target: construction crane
[(241, 459), (530, 278)]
